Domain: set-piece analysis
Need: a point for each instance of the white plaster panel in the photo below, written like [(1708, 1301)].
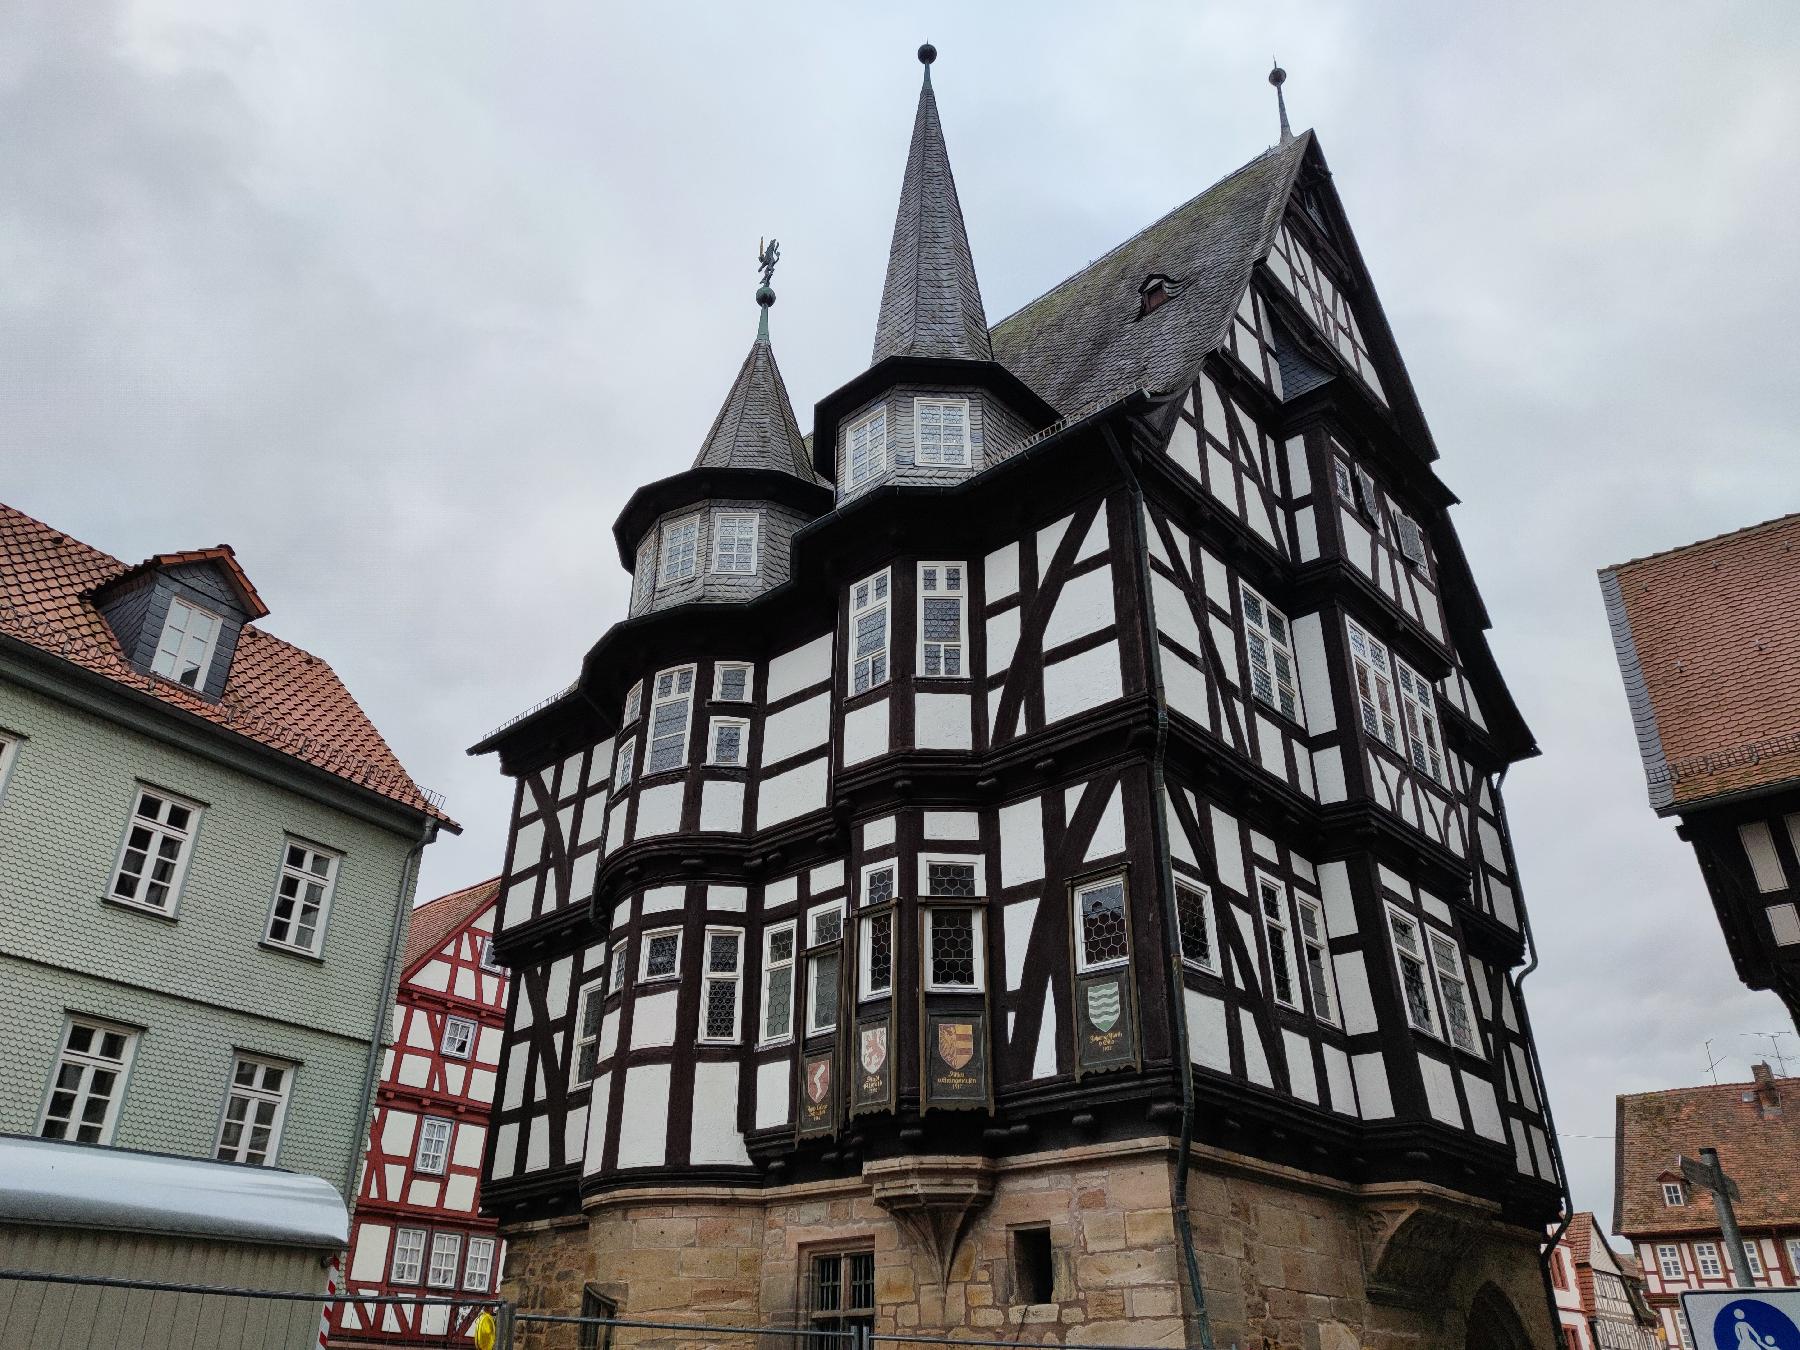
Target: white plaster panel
[(1080, 682), (826, 877), (943, 722), (659, 810), (1484, 1111), (1184, 685), (1353, 991), (878, 833), (716, 1138), (599, 1105), (1047, 540), (515, 1076), (1214, 578), (1784, 924), (786, 795), (794, 731), (1228, 849), (1338, 1079), (866, 732), (653, 1020), (1306, 532), (1097, 538), (772, 1091), (1759, 847), (1256, 1060), (729, 898), (782, 892), (1301, 1076), (1043, 1059), (1328, 773), (1340, 905), (574, 1138), (1084, 605), (528, 846), (1001, 573), (1173, 616), (506, 1148), (952, 825), (1180, 846), (1016, 920), (1021, 842), (1109, 833), (644, 1119), (1440, 1090), (722, 806), (1208, 1042), (1373, 1096), (537, 1145), (370, 1261), (1184, 447), (799, 669), (397, 1132), (662, 899), (1271, 749), (1002, 639), (1314, 670)]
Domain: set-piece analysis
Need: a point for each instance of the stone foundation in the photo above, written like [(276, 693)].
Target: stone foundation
[(1289, 1261)]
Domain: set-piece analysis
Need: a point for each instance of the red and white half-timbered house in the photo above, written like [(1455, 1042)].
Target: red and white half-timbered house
[(419, 1228)]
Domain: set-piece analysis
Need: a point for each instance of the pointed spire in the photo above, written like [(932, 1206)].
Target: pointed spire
[(755, 428), (1278, 77), (931, 302)]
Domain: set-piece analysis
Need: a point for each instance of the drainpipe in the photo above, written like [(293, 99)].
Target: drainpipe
[(384, 1009), (1159, 825)]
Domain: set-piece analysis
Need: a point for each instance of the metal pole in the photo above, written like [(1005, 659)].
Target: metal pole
[(1734, 1240)]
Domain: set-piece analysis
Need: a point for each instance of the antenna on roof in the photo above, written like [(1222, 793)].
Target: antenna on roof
[(1278, 77), (1712, 1065), (1774, 1040)]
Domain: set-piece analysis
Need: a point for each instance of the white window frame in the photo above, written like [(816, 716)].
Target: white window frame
[(657, 702), (1753, 1257), (712, 742), (445, 1043), (867, 435), (734, 977), (1667, 1254), (624, 763), (939, 574), (1424, 733), (1378, 699), (9, 752), (978, 935), (769, 966), (1421, 957), (1082, 965), (414, 1253), (646, 941), (618, 965), (643, 580), (441, 1277), (159, 830), (480, 1255), (679, 550), (1203, 894), (487, 960), (302, 876), (735, 517), (1282, 921), (634, 705), (941, 459), (1793, 1255), (748, 668), (422, 1160), (89, 1062), (866, 925), (168, 663), (1447, 951), (254, 1095), (1275, 653), (869, 871), (589, 1008), (1316, 944), (1706, 1254), (816, 949), (1674, 1194), (873, 594)]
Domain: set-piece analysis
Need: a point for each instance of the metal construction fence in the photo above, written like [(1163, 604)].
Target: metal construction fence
[(47, 1311)]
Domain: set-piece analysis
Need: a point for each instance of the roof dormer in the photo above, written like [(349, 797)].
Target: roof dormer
[(177, 616)]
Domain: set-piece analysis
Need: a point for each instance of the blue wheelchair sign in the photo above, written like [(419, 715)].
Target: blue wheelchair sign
[(1761, 1319)]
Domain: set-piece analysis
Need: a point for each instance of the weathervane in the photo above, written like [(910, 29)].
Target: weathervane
[(1278, 77), (767, 255)]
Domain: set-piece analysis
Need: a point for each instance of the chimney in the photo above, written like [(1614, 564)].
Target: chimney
[(1768, 1098)]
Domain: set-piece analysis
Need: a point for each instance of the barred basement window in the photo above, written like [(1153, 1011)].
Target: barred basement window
[(1315, 958), (184, 653), (409, 1256), (734, 542), (89, 1083), (1100, 919), (824, 961), (1269, 645), (671, 714), (589, 1014), (1192, 913), (869, 633), (433, 1155), (942, 609), (843, 1293), (1271, 903), (778, 983), (865, 449), (1453, 992), (950, 878), (303, 898), (877, 954), (953, 950), (1369, 663), (1420, 708), (154, 859), (660, 954), (730, 739), (719, 995), (1409, 956), (680, 551), (942, 428), (731, 682)]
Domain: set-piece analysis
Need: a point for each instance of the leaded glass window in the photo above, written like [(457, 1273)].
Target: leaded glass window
[(1277, 932), (671, 712), (1196, 926), (734, 542), (680, 551), (942, 428), (953, 948), (869, 633), (1269, 644), (778, 982), (866, 448), (950, 878), (724, 970), (1100, 918), (1371, 666), (942, 613)]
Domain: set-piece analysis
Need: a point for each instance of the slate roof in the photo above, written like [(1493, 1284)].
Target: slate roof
[(755, 428), (277, 695), (1083, 340), (1758, 1143), (434, 921), (1708, 642), (930, 302)]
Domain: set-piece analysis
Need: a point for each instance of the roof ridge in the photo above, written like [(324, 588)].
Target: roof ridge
[(456, 894), (48, 528), (1741, 531), (1703, 1087)]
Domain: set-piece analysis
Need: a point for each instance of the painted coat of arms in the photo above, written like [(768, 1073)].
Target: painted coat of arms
[(874, 1048), (956, 1043), (1103, 1006), (818, 1079)]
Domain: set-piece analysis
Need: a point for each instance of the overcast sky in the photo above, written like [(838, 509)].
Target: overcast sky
[(403, 300)]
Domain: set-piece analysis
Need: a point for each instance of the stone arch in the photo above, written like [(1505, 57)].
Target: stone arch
[(1494, 1324)]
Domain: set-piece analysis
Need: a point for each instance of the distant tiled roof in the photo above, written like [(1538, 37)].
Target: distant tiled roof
[(755, 428), (1084, 338), (1758, 1143), (277, 695), (434, 921), (1708, 642)]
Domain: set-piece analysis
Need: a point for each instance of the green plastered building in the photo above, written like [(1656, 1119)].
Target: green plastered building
[(207, 860)]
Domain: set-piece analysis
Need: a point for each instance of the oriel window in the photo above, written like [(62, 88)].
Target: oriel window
[(824, 945), (778, 982)]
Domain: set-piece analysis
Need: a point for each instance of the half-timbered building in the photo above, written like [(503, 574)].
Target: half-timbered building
[(419, 1229), (1034, 852)]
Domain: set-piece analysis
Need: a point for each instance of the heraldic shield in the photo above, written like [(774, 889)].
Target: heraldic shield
[(956, 1043), (956, 1068), (1107, 1036), (872, 1085)]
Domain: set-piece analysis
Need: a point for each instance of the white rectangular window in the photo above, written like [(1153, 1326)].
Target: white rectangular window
[(1673, 1195), (778, 983), (624, 763), (943, 620), (1415, 980), (734, 548), (643, 578), (618, 967), (824, 961), (634, 704), (875, 962), (719, 992), (478, 1274), (89, 1082), (303, 897), (1193, 912), (1270, 646), (680, 551), (865, 448), (589, 1012), (1753, 1258), (1453, 992), (731, 682), (1374, 685), (954, 949), (1668, 1261), (433, 1154), (154, 858), (409, 1256), (1412, 538), (878, 883), (729, 743), (459, 1037), (1423, 739), (869, 633), (1102, 940), (1315, 959), (255, 1106), (185, 651), (1793, 1256), (1272, 907), (1706, 1257), (942, 428), (446, 1251), (659, 955), (671, 715), (489, 961)]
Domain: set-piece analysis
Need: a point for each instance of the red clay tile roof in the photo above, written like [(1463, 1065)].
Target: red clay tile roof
[(1715, 628), (220, 554), (276, 695), (434, 921), (1759, 1147)]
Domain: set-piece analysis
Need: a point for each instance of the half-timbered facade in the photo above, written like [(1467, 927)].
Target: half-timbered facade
[(1076, 841), (419, 1229)]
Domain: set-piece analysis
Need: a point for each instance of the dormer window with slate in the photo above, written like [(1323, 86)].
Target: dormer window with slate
[(865, 449), (1155, 292), (178, 616), (189, 637), (734, 542), (942, 428)]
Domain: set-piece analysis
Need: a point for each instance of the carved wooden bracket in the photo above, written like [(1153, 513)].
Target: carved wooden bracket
[(933, 1199)]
